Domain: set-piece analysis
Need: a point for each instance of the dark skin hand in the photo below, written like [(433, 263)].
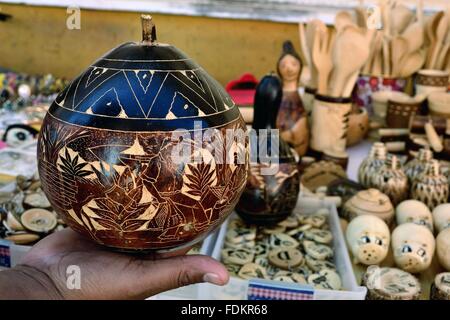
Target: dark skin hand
[(104, 274)]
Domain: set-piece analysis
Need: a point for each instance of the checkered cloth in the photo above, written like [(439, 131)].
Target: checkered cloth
[(264, 290), (5, 256)]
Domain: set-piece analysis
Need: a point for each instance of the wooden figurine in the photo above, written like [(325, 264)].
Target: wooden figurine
[(441, 217), (443, 248), (368, 238), (292, 119), (414, 211), (269, 197), (413, 247)]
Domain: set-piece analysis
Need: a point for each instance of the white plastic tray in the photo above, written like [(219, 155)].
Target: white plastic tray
[(236, 289)]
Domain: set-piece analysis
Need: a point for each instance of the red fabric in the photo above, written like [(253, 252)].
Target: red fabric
[(240, 95)]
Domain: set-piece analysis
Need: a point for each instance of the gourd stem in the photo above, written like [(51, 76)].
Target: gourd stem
[(148, 29), (392, 162), (425, 155), (378, 151)]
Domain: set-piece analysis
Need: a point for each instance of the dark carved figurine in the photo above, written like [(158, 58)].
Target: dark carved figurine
[(272, 187), (106, 149)]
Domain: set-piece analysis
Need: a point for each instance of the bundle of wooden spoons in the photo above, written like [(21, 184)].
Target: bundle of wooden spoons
[(438, 38), (404, 44), (335, 56)]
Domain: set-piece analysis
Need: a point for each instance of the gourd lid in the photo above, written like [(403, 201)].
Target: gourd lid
[(371, 201), (146, 86)]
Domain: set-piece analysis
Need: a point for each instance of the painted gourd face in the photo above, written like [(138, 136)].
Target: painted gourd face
[(413, 247), (368, 238), (441, 217), (443, 248), (415, 212), (289, 68), (112, 166)]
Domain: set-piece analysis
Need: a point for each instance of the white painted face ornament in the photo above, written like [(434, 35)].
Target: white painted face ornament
[(413, 247), (441, 217), (443, 248), (414, 211), (368, 238)]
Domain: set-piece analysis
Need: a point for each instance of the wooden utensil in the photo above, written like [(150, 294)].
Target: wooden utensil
[(378, 56), (385, 8), (399, 48), (303, 45), (350, 52), (443, 54), (343, 19), (372, 52), (412, 63), (322, 59), (414, 34), (386, 57), (350, 84), (431, 28), (419, 12), (433, 138), (361, 17), (441, 33), (400, 17), (311, 29)]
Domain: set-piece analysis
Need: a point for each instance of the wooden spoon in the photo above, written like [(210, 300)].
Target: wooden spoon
[(303, 45), (350, 52), (441, 33), (322, 59), (361, 17), (350, 84), (419, 12), (414, 34), (412, 63), (431, 28), (401, 17), (447, 67), (311, 29), (399, 47), (385, 7), (386, 57), (440, 62), (373, 45), (343, 19), (378, 56)]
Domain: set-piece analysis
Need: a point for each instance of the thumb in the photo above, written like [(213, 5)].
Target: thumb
[(170, 273)]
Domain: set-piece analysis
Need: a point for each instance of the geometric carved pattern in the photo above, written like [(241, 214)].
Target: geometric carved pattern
[(144, 94)]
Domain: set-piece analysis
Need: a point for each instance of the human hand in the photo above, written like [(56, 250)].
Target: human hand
[(104, 274)]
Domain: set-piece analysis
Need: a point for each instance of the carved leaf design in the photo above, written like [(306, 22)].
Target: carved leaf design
[(72, 164), (198, 176)]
